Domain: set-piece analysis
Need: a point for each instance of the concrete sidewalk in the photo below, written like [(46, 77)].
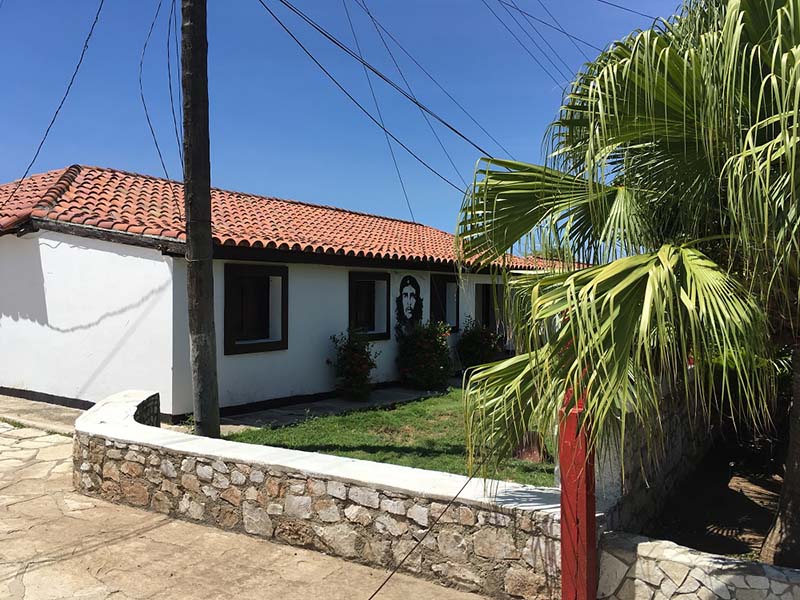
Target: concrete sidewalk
[(40, 415), (55, 543)]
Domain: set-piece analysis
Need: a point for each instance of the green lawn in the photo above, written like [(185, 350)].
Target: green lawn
[(428, 434)]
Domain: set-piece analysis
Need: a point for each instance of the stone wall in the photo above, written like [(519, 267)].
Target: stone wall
[(638, 568), (504, 545), (652, 470)]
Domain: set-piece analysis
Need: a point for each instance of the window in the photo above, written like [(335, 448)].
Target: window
[(444, 300), (256, 308), (485, 300), (369, 303)]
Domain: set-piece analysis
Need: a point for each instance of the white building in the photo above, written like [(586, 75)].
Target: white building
[(93, 289)]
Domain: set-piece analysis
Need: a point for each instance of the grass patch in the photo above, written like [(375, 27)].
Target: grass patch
[(427, 434)]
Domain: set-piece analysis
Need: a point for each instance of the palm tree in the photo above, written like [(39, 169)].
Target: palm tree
[(672, 170)]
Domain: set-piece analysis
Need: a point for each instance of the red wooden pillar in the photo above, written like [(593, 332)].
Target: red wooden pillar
[(578, 522)]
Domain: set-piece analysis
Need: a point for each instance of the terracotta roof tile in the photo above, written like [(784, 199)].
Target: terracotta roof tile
[(145, 205)]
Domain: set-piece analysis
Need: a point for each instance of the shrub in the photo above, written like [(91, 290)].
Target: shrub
[(423, 356), (353, 363), (478, 344)]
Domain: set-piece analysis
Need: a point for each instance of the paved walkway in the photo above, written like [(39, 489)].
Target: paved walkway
[(297, 413), (41, 415), (55, 543)]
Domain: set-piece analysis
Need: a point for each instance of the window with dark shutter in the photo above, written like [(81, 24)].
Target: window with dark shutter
[(486, 297), (369, 304), (364, 310), (445, 300), (256, 308)]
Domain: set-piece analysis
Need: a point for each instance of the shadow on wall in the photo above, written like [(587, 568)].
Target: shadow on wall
[(152, 296), (25, 299), (23, 282), (94, 321)]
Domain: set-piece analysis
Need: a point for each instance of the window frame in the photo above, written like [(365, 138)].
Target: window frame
[(234, 271), (355, 276), (487, 303), (446, 278)]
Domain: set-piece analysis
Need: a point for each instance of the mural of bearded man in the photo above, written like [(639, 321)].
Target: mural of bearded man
[(408, 311)]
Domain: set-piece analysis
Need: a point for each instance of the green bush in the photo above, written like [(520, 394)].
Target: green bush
[(478, 344), (353, 364), (423, 356)]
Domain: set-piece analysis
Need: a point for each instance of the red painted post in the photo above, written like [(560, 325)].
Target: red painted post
[(578, 522)]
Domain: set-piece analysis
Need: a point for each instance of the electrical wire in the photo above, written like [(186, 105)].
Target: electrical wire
[(173, 17), (344, 48), (558, 26), (354, 101), (573, 38), (147, 112), (411, 91), (567, 75), (60, 104), (524, 47), (435, 522), (380, 115), (363, 7), (630, 10)]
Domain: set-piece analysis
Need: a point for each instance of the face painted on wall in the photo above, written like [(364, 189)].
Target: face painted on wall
[(408, 303), (409, 297)]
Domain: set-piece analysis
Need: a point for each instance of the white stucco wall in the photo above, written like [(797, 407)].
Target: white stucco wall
[(318, 309), (82, 318)]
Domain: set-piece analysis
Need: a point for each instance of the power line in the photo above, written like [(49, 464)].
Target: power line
[(559, 27), (344, 48), (519, 41), (436, 521), (431, 77), (411, 91), (380, 116), (630, 10), (147, 113), (354, 101), (171, 24), (566, 75), (572, 37), (60, 104)]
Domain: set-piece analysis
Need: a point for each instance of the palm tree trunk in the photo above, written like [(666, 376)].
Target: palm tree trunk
[(782, 545)]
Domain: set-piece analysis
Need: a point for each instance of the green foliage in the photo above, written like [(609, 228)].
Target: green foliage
[(673, 173), (353, 364), (477, 344), (423, 356), (426, 434)]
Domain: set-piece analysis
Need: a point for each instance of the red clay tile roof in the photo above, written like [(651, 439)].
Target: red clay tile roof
[(149, 206)]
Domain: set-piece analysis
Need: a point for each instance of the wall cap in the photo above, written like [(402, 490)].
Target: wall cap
[(113, 419)]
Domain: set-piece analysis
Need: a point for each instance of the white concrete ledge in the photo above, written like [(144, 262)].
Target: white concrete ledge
[(112, 419)]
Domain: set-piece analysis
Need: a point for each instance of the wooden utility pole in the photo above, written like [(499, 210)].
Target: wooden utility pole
[(197, 202)]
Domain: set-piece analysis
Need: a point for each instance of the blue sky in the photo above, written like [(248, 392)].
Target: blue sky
[(278, 126)]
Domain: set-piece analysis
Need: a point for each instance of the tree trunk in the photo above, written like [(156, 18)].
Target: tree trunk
[(782, 545), (197, 202), (532, 448)]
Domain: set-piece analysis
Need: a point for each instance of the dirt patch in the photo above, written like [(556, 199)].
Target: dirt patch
[(727, 507)]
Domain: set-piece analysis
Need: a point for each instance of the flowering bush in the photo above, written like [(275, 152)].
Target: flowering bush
[(423, 356), (478, 344), (353, 363)]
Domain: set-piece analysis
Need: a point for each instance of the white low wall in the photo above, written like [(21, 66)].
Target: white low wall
[(638, 568), (497, 538)]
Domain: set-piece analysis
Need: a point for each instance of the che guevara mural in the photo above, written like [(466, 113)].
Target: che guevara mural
[(408, 306)]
